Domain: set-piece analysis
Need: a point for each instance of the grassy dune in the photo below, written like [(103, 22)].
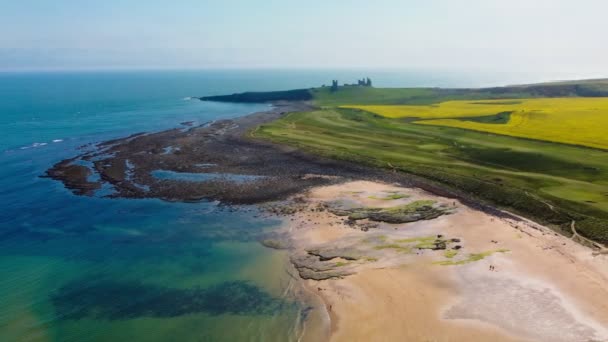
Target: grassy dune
[(552, 183), (578, 121)]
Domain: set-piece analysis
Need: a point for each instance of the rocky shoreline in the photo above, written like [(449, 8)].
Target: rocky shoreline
[(224, 153), (219, 150)]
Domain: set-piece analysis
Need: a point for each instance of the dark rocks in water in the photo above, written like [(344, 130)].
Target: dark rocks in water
[(128, 300), (76, 177), (411, 212), (127, 165)]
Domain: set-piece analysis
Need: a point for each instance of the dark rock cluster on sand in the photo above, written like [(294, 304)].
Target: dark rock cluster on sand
[(411, 212), (330, 261), (320, 265)]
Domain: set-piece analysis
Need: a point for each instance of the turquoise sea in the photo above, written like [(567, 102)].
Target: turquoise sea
[(94, 269)]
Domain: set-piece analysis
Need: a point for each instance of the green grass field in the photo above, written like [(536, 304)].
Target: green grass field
[(367, 95), (551, 183)]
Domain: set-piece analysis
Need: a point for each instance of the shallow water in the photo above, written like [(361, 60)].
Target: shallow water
[(203, 176), (95, 269)]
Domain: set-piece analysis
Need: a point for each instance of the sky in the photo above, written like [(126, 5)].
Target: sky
[(564, 35)]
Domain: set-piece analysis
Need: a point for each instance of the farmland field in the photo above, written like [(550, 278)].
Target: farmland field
[(552, 183), (577, 121)]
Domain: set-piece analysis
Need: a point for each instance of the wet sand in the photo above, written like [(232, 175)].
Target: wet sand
[(541, 286)]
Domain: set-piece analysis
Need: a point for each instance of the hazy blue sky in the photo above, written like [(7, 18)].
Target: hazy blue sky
[(455, 34)]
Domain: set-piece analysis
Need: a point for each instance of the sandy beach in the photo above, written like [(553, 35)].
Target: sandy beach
[(495, 279)]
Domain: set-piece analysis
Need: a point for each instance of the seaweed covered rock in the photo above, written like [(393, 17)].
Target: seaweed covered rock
[(319, 264), (411, 212)]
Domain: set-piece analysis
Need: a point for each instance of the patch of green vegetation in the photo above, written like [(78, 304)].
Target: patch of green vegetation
[(411, 212), (392, 196), (471, 258), (408, 245), (358, 215), (411, 207), (526, 161), (432, 147), (450, 253), (369, 95), (396, 247), (544, 181), (370, 259), (427, 242), (500, 118), (592, 228), (341, 263), (421, 239), (426, 245)]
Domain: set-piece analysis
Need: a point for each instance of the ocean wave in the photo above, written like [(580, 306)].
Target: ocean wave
[(34, 145), (39, 144)]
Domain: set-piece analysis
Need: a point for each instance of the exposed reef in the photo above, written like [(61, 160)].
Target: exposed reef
[(238, 170)]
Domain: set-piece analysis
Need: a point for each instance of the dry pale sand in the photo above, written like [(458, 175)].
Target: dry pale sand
[(544, 287)]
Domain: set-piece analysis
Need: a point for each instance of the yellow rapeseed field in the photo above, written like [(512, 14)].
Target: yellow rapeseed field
[(578, 121)]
